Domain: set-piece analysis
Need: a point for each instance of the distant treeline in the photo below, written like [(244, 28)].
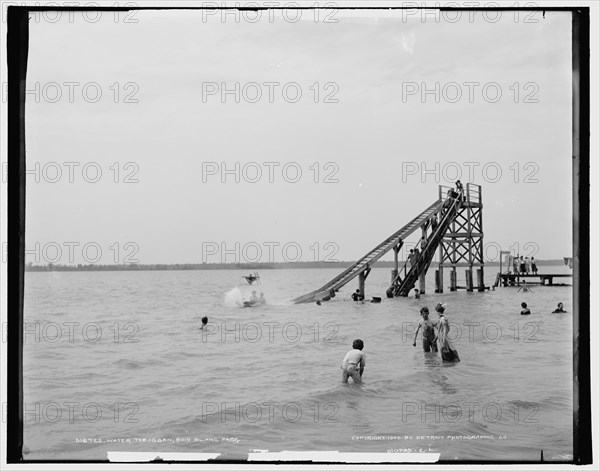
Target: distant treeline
[(228, 266)]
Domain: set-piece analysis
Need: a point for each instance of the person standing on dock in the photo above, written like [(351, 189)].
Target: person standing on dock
[(533, 266), (522, 265), (516, 265), (527, 265)]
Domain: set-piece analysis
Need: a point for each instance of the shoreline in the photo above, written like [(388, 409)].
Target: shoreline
[(232, 266)]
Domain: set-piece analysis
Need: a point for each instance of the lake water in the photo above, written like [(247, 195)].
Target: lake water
[(115, 361)]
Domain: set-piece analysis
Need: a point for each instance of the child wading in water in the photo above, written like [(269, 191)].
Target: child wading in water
[(428, 332), (448, 353), (354, 363)]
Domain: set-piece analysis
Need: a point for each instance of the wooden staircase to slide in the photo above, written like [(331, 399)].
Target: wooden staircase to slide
[(364, 264)]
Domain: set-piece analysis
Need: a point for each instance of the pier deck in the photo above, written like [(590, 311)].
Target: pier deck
[(544, 279)]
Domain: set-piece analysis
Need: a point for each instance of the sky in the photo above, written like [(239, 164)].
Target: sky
[(390, 108)]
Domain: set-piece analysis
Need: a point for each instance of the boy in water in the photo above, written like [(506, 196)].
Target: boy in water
[(559, 309), (354, 363), (417, 293), (428, 332), (525, 311), (524, 287)]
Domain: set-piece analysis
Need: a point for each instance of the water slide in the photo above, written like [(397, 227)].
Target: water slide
[(407, 277), (364, 264)]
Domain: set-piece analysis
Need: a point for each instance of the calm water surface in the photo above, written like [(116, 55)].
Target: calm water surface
[(117, 358)]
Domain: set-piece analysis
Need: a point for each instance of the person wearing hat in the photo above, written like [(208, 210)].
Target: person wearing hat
[(448, 353)]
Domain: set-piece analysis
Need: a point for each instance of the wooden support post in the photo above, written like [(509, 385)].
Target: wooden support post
[(422, 283), (480, 281), (469, 279), (439, 280), (396, 249), (453, 279), (361, 282)]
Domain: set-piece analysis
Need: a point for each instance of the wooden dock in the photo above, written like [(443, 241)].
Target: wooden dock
[(544, 279)]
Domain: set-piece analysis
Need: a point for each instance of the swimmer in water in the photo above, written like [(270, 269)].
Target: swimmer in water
[(417, 294), (429, 336), (525, 311), (204, 322), (353, 364), (559, 309), (525, 288)]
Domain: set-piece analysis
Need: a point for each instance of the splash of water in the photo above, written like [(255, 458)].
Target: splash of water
[(233, 298)]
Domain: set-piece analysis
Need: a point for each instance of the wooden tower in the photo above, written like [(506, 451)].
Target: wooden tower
[(462, 246)]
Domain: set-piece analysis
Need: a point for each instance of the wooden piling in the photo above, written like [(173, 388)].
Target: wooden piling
[(439, 280), (469, 279), (361, 282), (480, 281), (453, 279)]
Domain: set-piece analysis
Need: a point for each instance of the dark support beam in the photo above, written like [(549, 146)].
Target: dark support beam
[(439, 282), (17, 44)]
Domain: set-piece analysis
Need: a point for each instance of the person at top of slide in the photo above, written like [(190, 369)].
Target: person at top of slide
[(459, 190), (354, 362)]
